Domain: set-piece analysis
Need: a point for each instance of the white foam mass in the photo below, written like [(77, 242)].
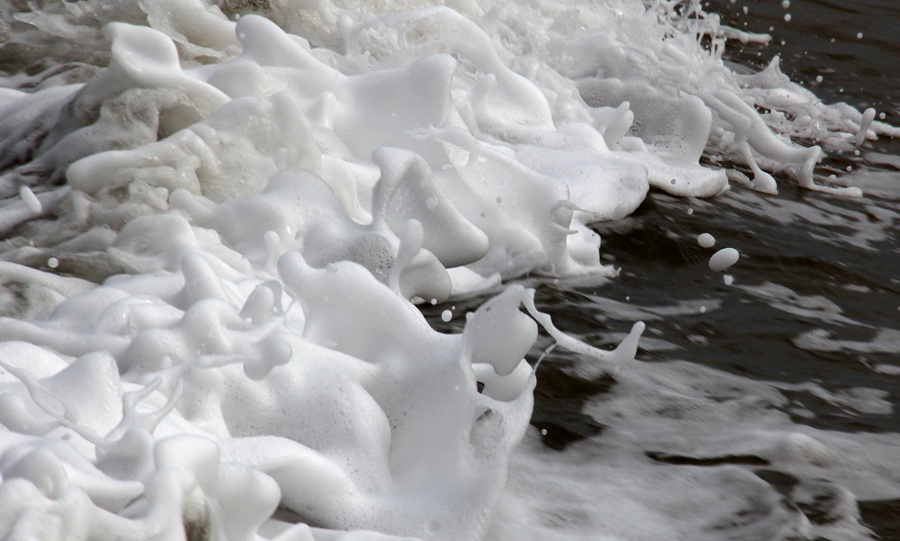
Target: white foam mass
[(216, 232)]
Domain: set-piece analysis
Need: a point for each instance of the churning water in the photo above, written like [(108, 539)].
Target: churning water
[(223, 223)]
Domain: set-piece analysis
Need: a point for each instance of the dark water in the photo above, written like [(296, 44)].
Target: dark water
[(821, 40), (808, 258), (796, 245)]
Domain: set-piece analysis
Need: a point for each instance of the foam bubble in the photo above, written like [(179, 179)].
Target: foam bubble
[(31, 201), (865, 122), (723, 259), (706, 240)]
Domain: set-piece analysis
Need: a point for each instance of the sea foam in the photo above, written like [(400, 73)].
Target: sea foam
[(218, 226)]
